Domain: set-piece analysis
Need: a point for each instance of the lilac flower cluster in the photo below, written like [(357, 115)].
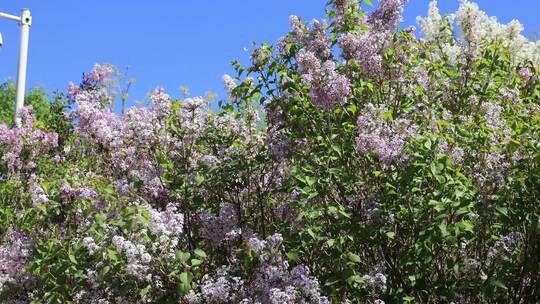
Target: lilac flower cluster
[(492, 113), (218, 228), (221, 287), (435, 27), (277, 144), (25, 138), (137, 257), (272, 281), (314, 39), (127, 137), (456, 153), (97, 76), (364, 49), (385, 138), (82, 192), (341, 7), (90, 244), (14, 254), (315, 64), (504, 246), (387, 15), (229, 85), (376, 282), (38, 195), (327, 86), (150, 244), (525, 74)]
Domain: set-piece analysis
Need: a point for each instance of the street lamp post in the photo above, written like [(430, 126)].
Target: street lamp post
[(25, 21)]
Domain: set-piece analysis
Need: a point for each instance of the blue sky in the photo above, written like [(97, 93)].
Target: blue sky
[(173, 43)]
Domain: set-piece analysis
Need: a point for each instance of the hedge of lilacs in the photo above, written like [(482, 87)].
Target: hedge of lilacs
[(353, 163)]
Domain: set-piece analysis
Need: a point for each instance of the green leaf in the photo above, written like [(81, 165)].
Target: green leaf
[(336, 149), (311, 233), (104, 271), (466, 226), (355, 279), (112, 255), (182, 257), (185, 277), (498, 283), (196, 262), (200, 253), (100, 218), (354, 257), (292, 256), (438, 206), (408, 299), (352, 108), (72, 259), (390, 234), (145, 290), (503, 211), (310, 180), (444, 230)]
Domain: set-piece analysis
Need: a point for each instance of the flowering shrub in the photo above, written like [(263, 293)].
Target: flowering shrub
[(353, 163)]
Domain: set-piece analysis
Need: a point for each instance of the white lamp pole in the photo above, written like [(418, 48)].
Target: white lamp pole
[(25, 21)]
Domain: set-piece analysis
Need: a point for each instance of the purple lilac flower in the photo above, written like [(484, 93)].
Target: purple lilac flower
[(363, 48), (97, 76), (327, 87), (14, 254), (341, 7), (67, 192), (38, 195), (25, 138), (313, 39), (525, 74), (271, 282), (216, 227), (492, 113), (385, 138), (161, 103), (376, 282), (387, 15), (230, 84)]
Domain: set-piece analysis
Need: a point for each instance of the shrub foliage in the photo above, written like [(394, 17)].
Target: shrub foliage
[(351, 163)]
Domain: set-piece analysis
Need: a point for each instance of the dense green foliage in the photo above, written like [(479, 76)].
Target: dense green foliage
[(387, 169), (35, 97)]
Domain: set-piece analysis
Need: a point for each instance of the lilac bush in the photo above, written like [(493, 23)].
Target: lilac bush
[(351, 163)]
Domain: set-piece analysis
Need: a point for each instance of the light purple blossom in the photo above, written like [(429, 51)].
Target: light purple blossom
[(341, 7), (492, 113), (387, 15), (97, 76), (14, 254), (327, 86), (25, 138), (364, 49), (230, 84), (217, 227), (271, 282), (38, 195), (312, 39), (385, 138), (525, 74)]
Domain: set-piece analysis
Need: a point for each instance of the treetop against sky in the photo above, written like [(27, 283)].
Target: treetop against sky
[(174, 43)]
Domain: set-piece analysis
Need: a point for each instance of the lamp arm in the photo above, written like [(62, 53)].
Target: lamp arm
[(10, 17)]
